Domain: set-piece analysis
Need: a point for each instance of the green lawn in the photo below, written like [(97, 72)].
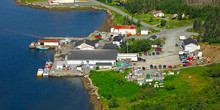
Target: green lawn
[(194, 88)]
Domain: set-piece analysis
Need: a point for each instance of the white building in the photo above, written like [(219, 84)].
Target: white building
[(158, 13), (124, 29), (86, 44), (48, 42), (60, 64), (190, 45), (92, 58), (144, 31), (153, 45), (62, 1), (123, 56), (183, 37)]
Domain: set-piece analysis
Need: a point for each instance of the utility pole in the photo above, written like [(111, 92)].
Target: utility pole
[(127, 46)]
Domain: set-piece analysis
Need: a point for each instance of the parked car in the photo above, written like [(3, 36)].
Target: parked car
[(155, 67), (157, 53), (164, 66), (184, 65), (163, 17), (140, 54), (170, 67), (153, 53), (151, 66), (145, 53), (176, 45), (160, 67), (188, 63), (149, 54), (147, 67), (185, 61), (180, 65)]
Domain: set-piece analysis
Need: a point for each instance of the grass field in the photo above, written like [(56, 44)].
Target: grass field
[(194, 88)]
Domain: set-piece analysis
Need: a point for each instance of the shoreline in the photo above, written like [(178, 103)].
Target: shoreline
[(87, 83), (109, 18)]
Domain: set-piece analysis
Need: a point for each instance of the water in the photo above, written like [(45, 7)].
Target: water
[(20, 89)]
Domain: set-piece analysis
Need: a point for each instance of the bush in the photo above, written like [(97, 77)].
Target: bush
[(113, 103), (169, 87), (97, 68)]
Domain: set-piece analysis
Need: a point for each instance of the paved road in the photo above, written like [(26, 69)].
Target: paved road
[(170, 55)]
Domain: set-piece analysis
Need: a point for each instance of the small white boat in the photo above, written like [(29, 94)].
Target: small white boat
[(40, 72)]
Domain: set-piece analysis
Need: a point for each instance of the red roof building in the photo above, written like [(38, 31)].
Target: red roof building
[(125, 27)]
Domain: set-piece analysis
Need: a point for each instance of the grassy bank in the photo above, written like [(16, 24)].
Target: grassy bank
[(24, 1), (194, 88)]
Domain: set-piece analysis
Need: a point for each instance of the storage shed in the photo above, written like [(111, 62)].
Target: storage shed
[(50, 43), (123, 56)]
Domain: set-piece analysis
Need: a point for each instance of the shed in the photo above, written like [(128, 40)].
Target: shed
[(153, 37), (144, 31), (132, 56), (154, 45), (60, 64), (48, 42)]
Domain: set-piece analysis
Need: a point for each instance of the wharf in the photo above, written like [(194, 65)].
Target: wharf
[(58, 57)]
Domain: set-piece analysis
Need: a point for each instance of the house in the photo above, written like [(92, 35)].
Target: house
[(154, 44), (123, 56), (51, 2), (158, 13), (190, 45), (92, 58), (118, 40), (50, 43), (110, 46), (124, 30), (153, 37), (144, 31), (86, 44)]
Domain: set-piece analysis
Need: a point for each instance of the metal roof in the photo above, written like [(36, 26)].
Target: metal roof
[(110, 46), (104, 64), (86, 41), (189, 41), (92, 54)]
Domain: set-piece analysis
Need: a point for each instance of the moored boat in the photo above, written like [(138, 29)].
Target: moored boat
[(40, 72), (42, 48)]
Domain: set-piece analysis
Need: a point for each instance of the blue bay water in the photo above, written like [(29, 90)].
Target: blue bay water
[(20, 89)]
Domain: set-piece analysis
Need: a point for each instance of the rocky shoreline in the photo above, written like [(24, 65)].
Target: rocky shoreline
[(94, 96)]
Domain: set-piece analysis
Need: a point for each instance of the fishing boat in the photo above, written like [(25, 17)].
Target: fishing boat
[(47, 68), (42, 48), (40, 72)]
